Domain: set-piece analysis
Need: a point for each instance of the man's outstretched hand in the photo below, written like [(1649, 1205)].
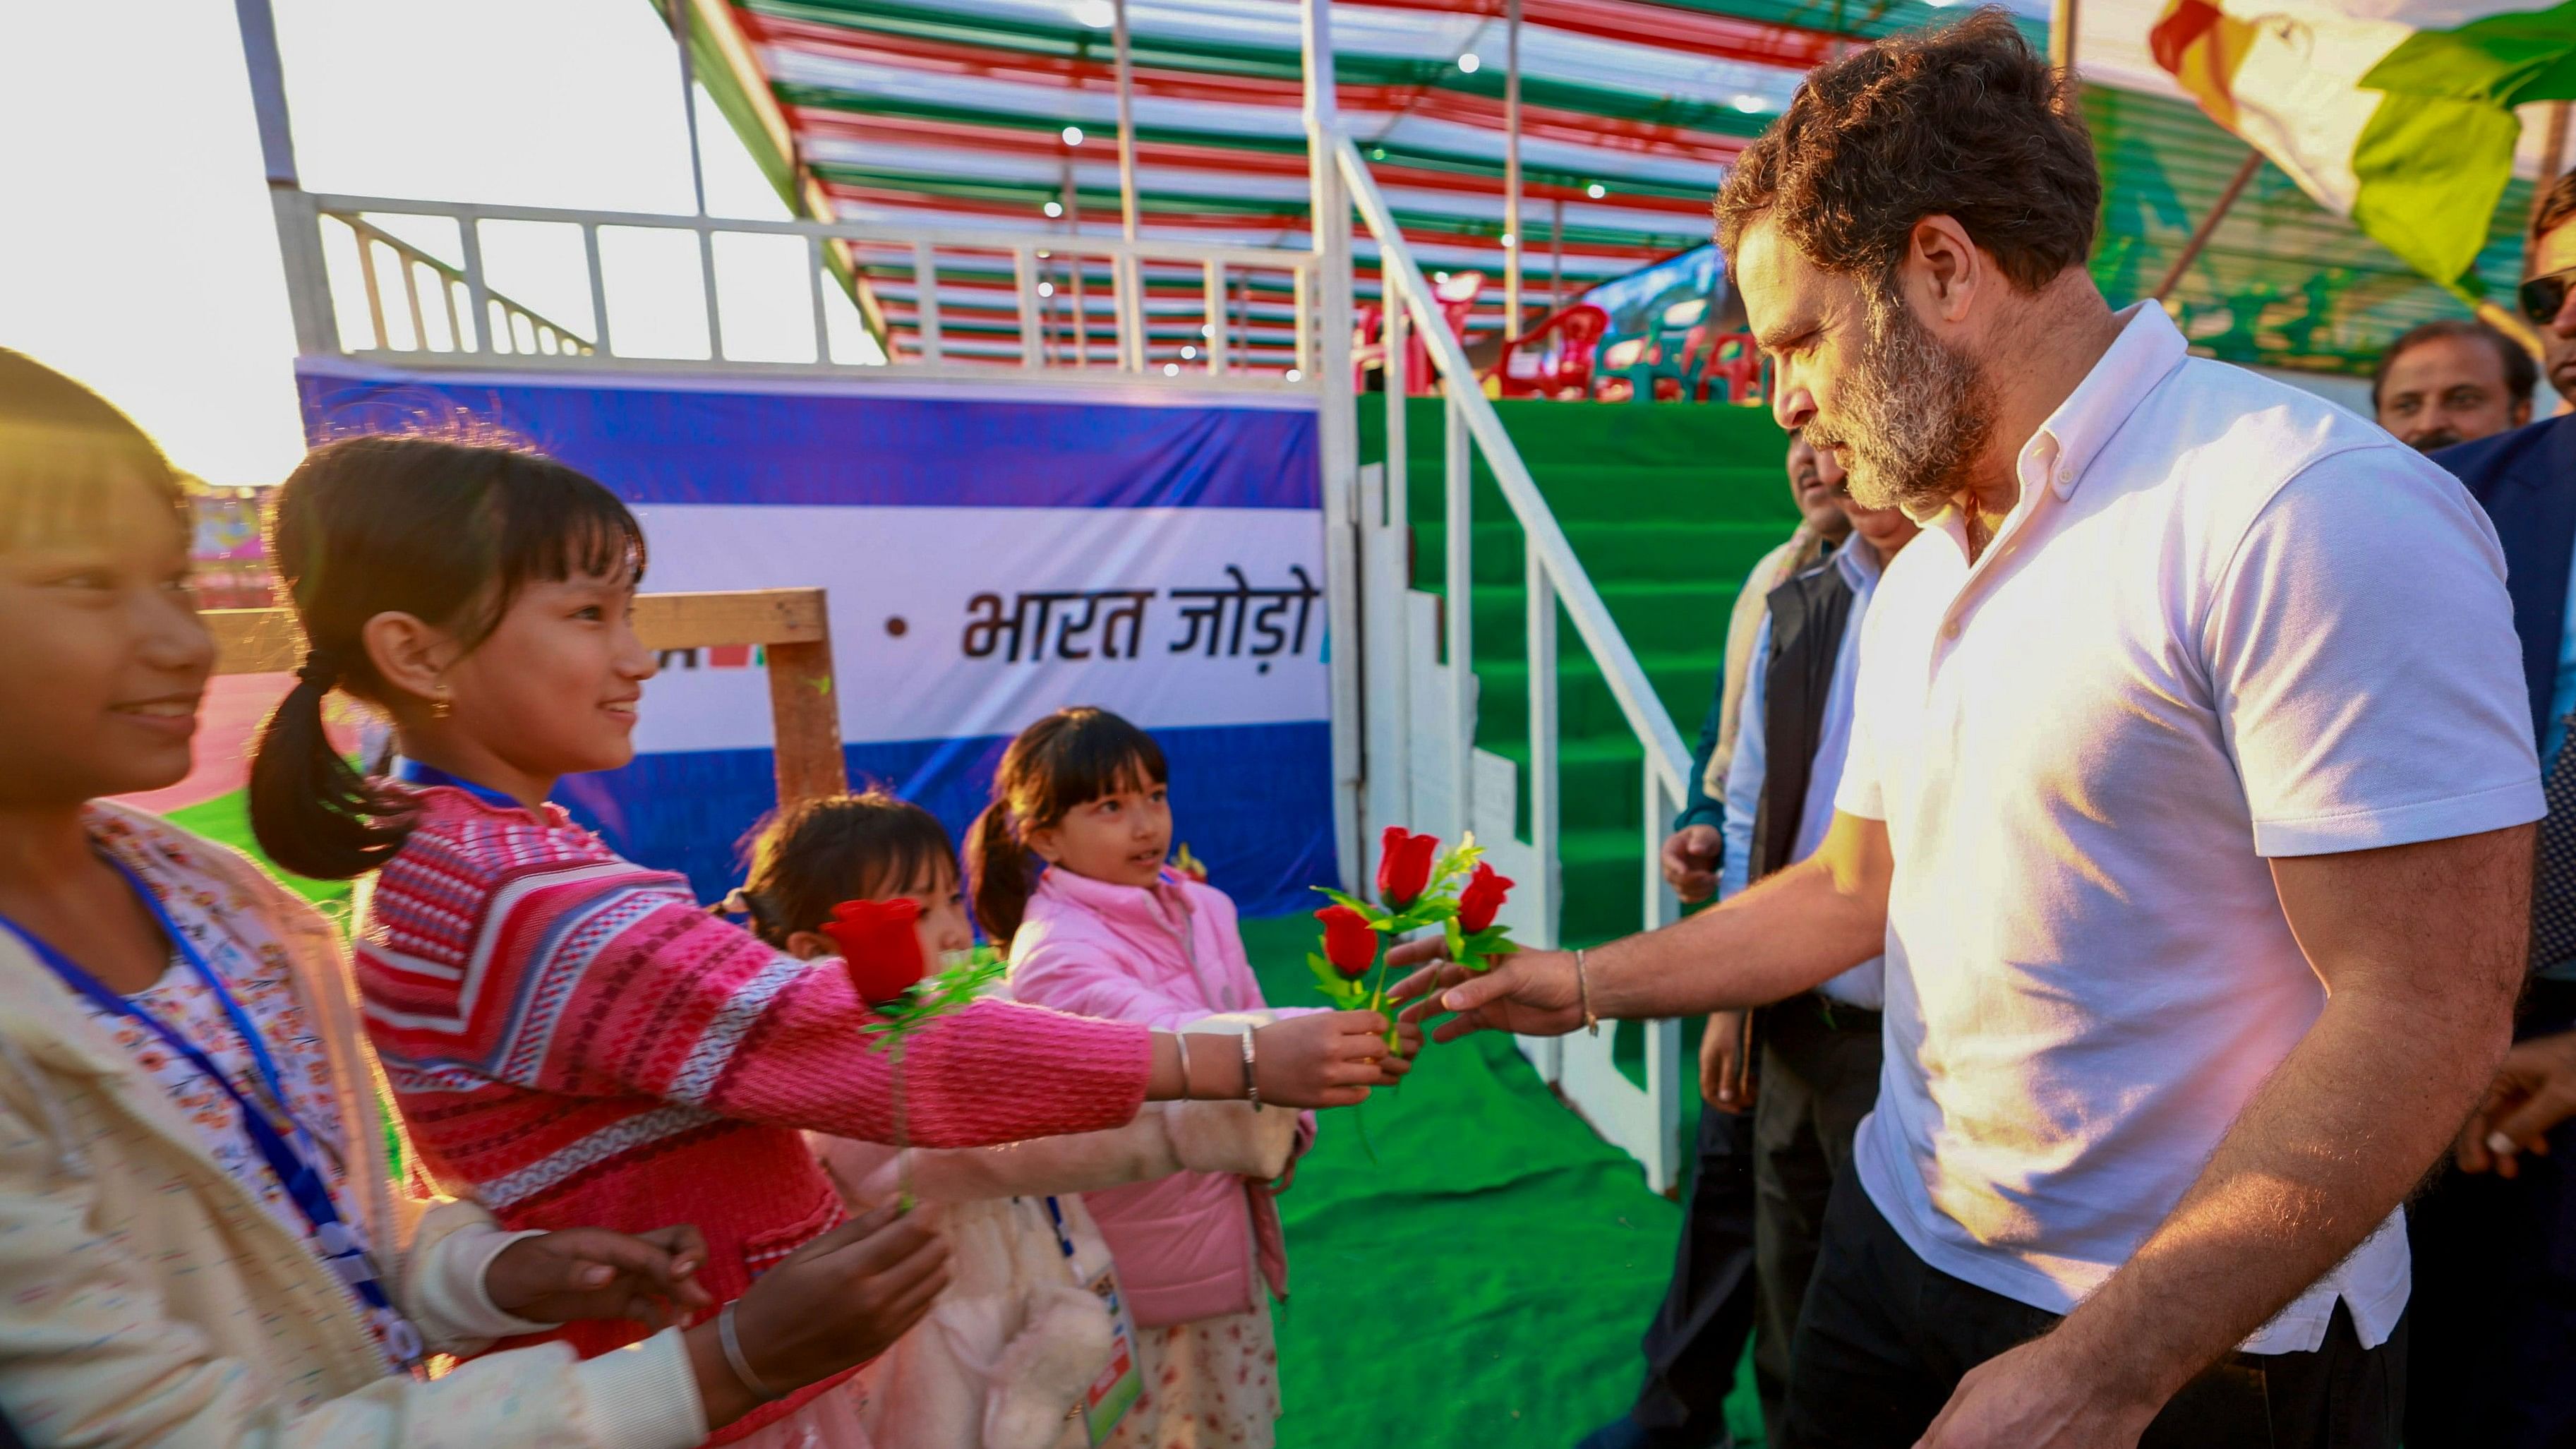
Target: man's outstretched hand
[(1532, 993)]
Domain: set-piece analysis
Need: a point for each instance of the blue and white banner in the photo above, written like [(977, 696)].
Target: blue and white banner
[(988, 559)]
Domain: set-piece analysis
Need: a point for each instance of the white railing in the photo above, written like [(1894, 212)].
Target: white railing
[(506, 325), (1472, 788), (988, 304)]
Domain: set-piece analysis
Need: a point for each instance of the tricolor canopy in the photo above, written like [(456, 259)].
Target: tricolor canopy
[(1001, 114)]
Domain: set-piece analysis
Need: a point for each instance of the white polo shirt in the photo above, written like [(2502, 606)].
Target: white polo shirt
[(2225, 621)]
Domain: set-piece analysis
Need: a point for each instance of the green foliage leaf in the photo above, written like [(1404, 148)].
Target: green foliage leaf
[(1373, 913), (947, 990)]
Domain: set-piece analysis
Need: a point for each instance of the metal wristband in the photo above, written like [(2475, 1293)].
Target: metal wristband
[(1251, 1080), (1583, 993), (1181, 1043), (734, 1360)]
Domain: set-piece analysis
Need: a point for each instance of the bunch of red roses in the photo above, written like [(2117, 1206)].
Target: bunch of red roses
[(1418, 885)]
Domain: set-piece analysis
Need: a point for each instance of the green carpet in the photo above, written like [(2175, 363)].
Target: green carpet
[(1486, 1273)]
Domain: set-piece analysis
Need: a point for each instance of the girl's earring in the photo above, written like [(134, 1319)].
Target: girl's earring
[(440, 706)]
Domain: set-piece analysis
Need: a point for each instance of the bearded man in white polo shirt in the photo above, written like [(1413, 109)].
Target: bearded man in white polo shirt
[(2188, 796)]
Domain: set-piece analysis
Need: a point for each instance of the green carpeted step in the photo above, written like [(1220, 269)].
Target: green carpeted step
[(1584, 704), (1601, 777), (1681, 552), (1667, 508), (1653, 615), (1595, 492)]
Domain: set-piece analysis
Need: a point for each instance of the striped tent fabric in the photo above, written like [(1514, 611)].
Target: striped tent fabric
[(1001, 115)]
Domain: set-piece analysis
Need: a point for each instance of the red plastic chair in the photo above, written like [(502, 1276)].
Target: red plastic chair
[(1555, 358), (1736, 364)]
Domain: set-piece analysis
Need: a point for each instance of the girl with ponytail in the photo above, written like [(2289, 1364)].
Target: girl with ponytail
[(570, 1036), (1069, 868)]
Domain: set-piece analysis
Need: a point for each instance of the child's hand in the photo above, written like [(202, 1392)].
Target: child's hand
[(594, 1273), (837, 1302), (1325, 1059)]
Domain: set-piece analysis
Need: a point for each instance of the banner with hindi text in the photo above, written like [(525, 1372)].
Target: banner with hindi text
[(988, 558)]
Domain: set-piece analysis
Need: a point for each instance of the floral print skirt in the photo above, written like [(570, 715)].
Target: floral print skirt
[(1211, 1383)]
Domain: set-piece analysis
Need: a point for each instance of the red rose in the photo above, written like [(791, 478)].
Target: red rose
[(1404, 866), (879, 946), (1481, 899), (1348, 942)]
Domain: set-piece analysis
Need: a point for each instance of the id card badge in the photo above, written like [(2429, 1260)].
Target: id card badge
[(1121, 1380)]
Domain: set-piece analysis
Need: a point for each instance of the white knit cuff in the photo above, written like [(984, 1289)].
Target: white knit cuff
[(449, 1295), (645, 1395)]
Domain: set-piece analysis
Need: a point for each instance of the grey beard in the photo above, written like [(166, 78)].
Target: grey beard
[(1915, 415)]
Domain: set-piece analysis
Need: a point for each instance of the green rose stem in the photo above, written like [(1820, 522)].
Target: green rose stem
[(903, 1199)]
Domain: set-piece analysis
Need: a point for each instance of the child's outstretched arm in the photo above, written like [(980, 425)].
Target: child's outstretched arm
[(1234, 1138), (593, 980)]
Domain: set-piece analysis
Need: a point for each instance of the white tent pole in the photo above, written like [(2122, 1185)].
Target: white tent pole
[(2061, 34), (267, 89), (1336, 424), (689, 99), (1512, 168), (299, 237), (1130, 273)]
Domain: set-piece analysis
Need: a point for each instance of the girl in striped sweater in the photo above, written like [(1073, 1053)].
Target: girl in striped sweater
[(571, 1038)]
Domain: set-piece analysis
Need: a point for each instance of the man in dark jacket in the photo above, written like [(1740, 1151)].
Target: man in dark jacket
[(2495, 1240)]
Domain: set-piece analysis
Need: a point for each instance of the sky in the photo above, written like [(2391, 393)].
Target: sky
[(137, 250)]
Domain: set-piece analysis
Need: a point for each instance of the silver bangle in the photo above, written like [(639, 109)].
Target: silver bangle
[(1583, 993), (734, 1360), (1251, 1081), (1181, 1042)]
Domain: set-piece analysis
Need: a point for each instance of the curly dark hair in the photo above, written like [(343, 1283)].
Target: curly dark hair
[(1965, 121)]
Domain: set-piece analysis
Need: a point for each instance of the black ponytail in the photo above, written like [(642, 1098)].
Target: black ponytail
[(447, 532), (311, 810), (1070, 758), (1003, 871)]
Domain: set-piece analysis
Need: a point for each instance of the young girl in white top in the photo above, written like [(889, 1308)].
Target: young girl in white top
[(1028, 1348)]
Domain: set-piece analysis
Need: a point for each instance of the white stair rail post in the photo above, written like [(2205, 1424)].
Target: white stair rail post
[(1544, 785), (1459, 568), (1337, 422), (1399, 526)]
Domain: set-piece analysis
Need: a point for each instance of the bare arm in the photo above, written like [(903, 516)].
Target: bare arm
[(2421, 950), (1796, 928)]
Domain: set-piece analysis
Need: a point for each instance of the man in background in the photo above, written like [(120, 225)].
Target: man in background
[(2495, 1240), (2452, 381), (1691, 853), (1699, 1331)]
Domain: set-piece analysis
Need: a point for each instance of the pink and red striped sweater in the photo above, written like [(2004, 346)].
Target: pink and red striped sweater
[(572, 1040)]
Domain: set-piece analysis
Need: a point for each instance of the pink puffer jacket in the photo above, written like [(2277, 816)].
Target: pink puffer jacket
[(1194, 1245)]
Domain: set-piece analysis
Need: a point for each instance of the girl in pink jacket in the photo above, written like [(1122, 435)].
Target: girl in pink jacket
[(1068, 866)]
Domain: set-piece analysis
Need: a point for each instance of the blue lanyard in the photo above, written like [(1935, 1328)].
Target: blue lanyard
[(293, 1162), (413, 772)]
